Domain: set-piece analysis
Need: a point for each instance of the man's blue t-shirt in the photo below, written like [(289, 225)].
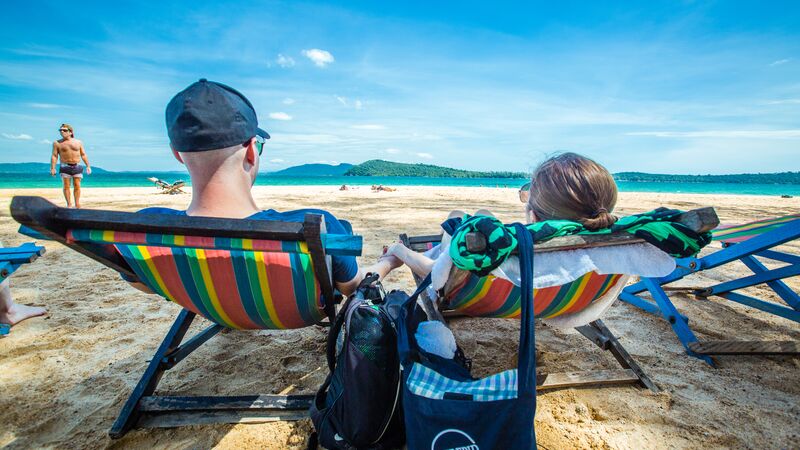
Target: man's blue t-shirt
[(345, 268)]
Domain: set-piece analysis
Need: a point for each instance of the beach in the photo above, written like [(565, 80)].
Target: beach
[(64, 378)]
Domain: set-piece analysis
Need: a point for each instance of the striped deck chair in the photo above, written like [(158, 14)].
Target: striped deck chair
[(11, 259), (466, 294), (240, 274), (746, 243)]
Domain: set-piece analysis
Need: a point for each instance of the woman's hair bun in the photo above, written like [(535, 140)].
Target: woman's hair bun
[(603, 219)]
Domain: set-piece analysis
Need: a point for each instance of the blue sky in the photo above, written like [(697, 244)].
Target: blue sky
[(677, 87)]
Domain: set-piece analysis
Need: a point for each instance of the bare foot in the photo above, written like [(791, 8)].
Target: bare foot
[(17, 313)]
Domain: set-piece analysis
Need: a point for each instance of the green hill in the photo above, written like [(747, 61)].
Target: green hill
[(381, 168), (313, 170), (742, 178), (35, 167)]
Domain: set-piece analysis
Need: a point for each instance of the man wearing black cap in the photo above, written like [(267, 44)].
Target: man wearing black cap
[(213, 130)]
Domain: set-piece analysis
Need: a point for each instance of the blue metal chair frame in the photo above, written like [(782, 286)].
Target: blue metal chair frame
[(11, 259), (746, 252)]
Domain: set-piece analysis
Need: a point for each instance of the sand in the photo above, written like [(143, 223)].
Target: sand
[(63, 378)]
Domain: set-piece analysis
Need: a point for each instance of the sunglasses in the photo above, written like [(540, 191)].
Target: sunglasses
[(63, 130), (260, 141), (525, 192)]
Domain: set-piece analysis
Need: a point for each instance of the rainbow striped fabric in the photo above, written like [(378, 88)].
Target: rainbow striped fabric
[(491, 296), (237, 283), (737, 233)]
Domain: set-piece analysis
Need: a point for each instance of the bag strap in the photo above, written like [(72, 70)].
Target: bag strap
[(333, 335), (526, 370), (406, 342)]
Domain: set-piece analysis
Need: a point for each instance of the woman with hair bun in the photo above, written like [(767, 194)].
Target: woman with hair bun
[(572, 187), (567, 186)]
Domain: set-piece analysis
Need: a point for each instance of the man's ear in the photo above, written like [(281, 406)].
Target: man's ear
[(250, 155), (177, 155)]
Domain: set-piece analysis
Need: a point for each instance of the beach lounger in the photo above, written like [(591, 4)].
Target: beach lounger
[(11, 258), (241, 274), (469, 295), (746, 243)]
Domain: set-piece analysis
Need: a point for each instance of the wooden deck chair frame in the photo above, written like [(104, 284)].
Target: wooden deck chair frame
[(760, 246), (142, 408), (699, 220), (11, 258)]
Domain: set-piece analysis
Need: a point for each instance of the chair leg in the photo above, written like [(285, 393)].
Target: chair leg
[(152, 375), (675, 319), (598, 333), (784, 292)]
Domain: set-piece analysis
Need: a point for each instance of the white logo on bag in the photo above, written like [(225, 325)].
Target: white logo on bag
[(471, 445)]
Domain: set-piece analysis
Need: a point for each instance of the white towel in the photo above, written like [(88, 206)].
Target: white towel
[(561, 267)]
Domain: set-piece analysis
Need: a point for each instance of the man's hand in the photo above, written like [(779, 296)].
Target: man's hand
[(392, 261), (88, 170), (52, 171)]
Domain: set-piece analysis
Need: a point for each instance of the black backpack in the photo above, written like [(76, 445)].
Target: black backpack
[(358, 405)]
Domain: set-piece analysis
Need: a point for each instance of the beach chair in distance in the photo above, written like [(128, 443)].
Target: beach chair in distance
[(11, 258), (241, 274), (167, 188), (470, 295), (746, 243)]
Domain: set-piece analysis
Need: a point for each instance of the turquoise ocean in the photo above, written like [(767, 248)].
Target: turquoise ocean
[(129, 179)]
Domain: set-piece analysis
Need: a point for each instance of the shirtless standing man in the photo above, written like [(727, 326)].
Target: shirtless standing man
[(71, 152)]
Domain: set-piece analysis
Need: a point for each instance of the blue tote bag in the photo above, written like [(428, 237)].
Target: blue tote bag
[(445, 408)]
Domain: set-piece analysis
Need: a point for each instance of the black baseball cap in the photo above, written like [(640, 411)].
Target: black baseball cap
[(208, 115)]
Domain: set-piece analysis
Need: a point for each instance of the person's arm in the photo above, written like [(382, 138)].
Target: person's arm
[(384, 265), (85, 160), (53, 160)]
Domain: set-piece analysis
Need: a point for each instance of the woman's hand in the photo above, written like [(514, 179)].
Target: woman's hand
[(397, 249)]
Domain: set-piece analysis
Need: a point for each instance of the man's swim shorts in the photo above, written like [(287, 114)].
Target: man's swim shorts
[(71, 171)]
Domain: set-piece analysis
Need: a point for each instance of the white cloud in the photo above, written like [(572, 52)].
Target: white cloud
[(325, 161), (368, 126), (788, 101), (288, 101), (276, 161), (393, 151), (284, 61), (279, 116), (753, 134), (780, 61), (18, 137), (44, 105), (425, 155), (45, 141), (321, 58), (355, 103)]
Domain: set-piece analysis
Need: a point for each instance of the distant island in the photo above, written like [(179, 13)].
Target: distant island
[(313, 170), (381, 168), (741, 178)]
